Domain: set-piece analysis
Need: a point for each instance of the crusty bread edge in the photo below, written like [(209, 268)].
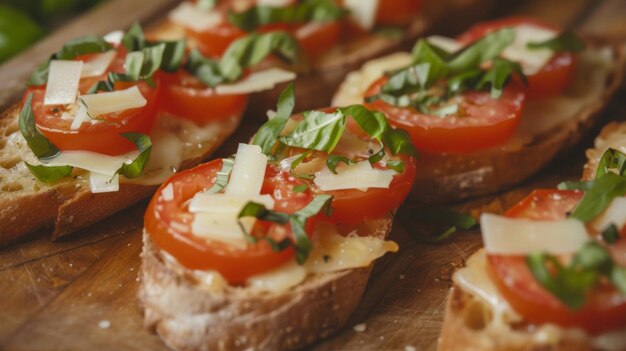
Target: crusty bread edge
[(240, 319)]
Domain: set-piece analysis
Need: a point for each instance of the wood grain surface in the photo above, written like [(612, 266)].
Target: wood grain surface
[(79, 293)]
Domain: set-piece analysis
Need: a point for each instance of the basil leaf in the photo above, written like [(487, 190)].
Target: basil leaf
[(304, 11), (377, 156), (464, 80), (49, 174), (567, 41), (258, 211), (269, 132), (618, 278), (80, 46), (300, 188), (398, 142), (334, 160), (604, 190), (142, 64), (373, 123), (396, 165), (206, 70), (144, 145), (134, 38), (499, 75), (582, 185), (611, 161), (610, 234), (222, 176), (318, 131), (485, 49), (253, 48), (37, 142), (173, 55), (592, 256)]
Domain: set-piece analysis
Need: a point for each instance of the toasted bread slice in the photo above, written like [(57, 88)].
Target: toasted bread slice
[(188, 316), (317, 84), (27, 204), (478, 318), (548, 128)]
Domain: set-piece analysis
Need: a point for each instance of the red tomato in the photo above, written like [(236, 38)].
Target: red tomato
[(168, 223), (316, 38), (485, 122), (102, 137), (555, 76), (185, 96), (397, 12), (604, 308)]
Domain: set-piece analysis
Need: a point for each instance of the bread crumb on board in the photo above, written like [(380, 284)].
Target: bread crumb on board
[(104, 324), (361, 327)]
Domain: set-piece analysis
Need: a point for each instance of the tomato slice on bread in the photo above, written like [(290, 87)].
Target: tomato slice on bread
[(553, 78), (605, 307)]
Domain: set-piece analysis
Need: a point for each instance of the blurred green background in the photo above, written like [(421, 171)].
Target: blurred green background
[(23, 22)]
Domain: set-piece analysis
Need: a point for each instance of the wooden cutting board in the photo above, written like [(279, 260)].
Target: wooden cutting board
[(79, 293)]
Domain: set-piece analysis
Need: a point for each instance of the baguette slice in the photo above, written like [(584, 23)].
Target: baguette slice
[(188, 317), (27, 205), (317, 85), (549, 127)]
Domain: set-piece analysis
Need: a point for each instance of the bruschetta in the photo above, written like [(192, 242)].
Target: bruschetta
[(271, 249), (105, 120), (552, 275), (490, 108)]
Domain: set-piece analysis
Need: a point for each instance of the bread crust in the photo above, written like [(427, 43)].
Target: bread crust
[(190, 318), (459, 335), (69, 205)]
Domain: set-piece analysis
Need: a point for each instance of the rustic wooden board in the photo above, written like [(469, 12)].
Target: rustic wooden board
[(79, 293)]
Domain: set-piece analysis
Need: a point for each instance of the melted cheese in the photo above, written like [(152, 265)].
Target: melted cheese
[(98, 64), (363, 12), (63, 79), (115, 101), (191, 16), (514, 236), (532, 60), (257, 81), (359, 176), (91, 161)]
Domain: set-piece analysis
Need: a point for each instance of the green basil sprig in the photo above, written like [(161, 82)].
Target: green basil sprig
[(241, 54), (304, 11), (269, 132), (567, 41), (80, 46), (144, 145), (571, 283), (297, 220), (221, 180), (49, 174), (37, 142)]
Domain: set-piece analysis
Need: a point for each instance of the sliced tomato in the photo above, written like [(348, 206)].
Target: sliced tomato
[(168, 222), (397, 12), (316, 38), (484, 122), (102, 137), (553, 78), (604, 308), (185, 96)]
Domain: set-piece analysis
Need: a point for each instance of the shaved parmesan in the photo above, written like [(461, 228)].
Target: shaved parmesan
[(103, 183), (512, 236), (280, 279), (191, 16), (448, 44), (360, 176), (63, 79), (257, 81), (248, 171), (168, 192), (80, 117), (532, 60), (363, 12), (221, 228), (114, 37), (115, 101), (91, 161), (98, 64), (614, 214), (225, 204)]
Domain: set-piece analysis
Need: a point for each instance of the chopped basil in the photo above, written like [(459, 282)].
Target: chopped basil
[(334, 160), (300, 188), (297, 220), (80, 46), (173, 55), (142, 64), (604, 190), (610, 234), (241, 54), (134, 38), (317, 131), (396, 165), (582, 185), (37, 142), (483, 50), (499, 74), (222, 176), (269, 132), (571, 283), (611, 161), (49, 174), (567, 41), (144, 145), (304, 11)]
